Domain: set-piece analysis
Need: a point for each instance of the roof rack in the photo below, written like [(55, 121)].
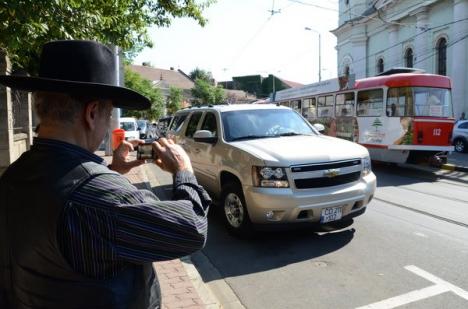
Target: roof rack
[(398, 70)]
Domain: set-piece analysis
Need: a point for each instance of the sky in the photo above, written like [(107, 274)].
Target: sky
[(243, 38)]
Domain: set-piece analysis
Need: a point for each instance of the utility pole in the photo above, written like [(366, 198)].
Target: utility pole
[(319, 51), (115, 111)]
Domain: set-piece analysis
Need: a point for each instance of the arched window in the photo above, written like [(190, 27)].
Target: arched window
[(380, 65), (442, 56), (409, 58), (346, 70)]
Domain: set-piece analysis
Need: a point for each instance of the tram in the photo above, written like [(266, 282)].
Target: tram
[(400, 116)]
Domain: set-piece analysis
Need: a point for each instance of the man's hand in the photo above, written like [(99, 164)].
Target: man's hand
[(120, 162), (171, 157)]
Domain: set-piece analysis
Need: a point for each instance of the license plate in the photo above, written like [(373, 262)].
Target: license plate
[(331, 214)]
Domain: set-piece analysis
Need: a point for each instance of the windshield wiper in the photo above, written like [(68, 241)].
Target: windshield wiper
[(251, 136), (290, 134)]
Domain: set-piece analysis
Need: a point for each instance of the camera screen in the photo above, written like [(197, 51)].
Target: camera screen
[(145, 152)]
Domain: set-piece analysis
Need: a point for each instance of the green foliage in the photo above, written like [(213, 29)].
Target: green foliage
[(25, 25), (202, 74), (174, 100), (135, 82), (204, 93)]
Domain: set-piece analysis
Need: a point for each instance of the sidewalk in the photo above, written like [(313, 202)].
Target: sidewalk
[(181, 284)]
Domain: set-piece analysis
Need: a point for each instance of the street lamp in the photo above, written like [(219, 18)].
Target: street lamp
[(320, 52)]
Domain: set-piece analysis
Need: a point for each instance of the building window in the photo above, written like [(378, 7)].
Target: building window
[(346, 70), (409, 58), (442, 56), (380, 66), (346, 2)]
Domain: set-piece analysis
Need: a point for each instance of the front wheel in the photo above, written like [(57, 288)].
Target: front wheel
[(460, 145), (236, 216)]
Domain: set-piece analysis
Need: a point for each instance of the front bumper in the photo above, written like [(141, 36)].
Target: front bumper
[(290, 205)]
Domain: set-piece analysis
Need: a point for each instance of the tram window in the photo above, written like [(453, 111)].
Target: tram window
[(370, 103), (325, 106), (285, 103), (309, 109), (296, 105), (399, 102), (344, 104)]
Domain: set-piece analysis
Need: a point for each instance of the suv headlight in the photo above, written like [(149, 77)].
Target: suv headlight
[(366, 166), (269, 177)]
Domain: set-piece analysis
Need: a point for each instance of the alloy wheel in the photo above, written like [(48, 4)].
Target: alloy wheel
[(234, 210)]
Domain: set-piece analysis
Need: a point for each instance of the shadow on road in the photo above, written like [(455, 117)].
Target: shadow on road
[(232, 256)]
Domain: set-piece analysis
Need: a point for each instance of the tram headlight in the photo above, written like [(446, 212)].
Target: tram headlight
[(366, 166), (270, 177)]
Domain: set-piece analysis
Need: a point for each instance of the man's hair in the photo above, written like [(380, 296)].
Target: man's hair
[(60, 107)]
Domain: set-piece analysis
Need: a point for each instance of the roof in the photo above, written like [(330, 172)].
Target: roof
[(175, 78), (405, 80), (290, 83), (234, 107)]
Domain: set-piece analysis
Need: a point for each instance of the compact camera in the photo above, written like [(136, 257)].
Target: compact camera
[(145, 151)]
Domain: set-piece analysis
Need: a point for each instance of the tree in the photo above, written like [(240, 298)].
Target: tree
[(135, 82), (377, 123), (27, 24), (204, 93), (202, 74), (174, 100)]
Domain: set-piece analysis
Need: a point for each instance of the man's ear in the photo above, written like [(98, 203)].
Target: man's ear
[(91, 114)]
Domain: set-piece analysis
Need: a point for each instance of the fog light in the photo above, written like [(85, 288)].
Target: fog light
[(270, 214)]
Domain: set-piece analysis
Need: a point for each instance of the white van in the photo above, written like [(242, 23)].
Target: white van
[(129, 124)]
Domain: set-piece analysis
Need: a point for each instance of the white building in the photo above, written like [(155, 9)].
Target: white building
[(376, 35)]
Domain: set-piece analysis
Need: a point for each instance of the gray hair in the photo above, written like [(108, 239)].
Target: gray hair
[(60, 107)]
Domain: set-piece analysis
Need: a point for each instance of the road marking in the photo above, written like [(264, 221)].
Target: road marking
[(441, 286)]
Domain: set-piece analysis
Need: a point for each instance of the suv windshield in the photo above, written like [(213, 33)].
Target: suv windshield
[(263, 123)]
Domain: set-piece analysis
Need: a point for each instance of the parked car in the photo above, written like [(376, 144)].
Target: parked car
[(143, 126), (129, 124), (267, 165), (163, 124), (460, 136)]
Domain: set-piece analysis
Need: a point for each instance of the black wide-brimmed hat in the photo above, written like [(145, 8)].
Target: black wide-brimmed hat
[(84, 68)]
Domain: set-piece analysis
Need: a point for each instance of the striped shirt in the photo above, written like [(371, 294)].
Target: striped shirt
[(107, 222)]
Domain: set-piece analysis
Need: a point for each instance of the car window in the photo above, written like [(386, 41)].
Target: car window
[(192, 125), (209, 123), (177, 123), (463, 125), (263, 123), (128, 126)]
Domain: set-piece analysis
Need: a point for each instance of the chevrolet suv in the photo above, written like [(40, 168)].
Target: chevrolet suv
[(267, 165)]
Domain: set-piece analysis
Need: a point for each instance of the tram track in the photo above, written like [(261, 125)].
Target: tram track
[(434, 195), (426, 213)]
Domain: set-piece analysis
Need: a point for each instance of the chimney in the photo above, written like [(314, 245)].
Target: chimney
[(146, 64), (172, 68)]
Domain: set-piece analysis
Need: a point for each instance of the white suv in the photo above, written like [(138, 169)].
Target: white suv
[(267, 165)]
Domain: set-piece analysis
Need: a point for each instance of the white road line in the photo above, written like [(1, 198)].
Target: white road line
[(441, 286), (422, 273), (407, 298)]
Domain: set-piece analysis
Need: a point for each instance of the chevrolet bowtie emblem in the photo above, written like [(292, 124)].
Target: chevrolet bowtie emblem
[(331, 172)]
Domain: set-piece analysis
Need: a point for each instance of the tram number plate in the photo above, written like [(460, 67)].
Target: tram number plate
[(331, 214)]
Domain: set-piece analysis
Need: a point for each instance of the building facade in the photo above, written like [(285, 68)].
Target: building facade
[(376, 35)]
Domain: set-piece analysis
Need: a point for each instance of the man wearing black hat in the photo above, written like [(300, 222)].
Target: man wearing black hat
[(75, 233)]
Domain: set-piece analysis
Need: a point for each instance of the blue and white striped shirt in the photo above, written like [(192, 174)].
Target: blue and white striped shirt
[(107, 222)]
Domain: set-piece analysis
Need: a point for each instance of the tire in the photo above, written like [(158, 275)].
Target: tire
[(235, 215), (460, 145)]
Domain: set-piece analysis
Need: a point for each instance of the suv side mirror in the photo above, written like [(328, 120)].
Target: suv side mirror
[(205, 136), (319, 127)]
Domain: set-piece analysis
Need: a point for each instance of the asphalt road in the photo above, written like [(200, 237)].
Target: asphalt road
[(409, 250)]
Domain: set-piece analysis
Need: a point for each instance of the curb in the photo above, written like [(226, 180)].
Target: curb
[(453, 167)]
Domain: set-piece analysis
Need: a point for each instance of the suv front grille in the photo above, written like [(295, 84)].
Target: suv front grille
[(326, 174), (321, 182)]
